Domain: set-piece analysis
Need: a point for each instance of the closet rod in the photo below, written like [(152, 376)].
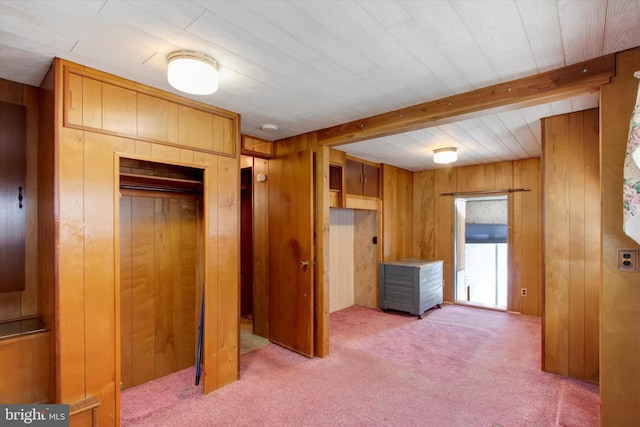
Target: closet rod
[(471, 193)]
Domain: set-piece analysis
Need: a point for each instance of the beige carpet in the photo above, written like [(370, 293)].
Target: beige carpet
[(249, 341)]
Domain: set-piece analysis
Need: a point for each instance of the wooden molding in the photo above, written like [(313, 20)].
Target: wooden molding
[(553, 85)]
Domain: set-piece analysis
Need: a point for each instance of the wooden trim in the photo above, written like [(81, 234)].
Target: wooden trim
[(556, 84), (104, 77), (159, 183), (361, 202), (358, 159), (69, 68)]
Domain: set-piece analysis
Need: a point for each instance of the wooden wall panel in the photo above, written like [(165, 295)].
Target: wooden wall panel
[(85, 168), (143, 289), (433, 222), (126, 292), (228, 269), (163, 316), (25, 369), (260, 249), (397, 196), (187, 327), (570, 144), (620, 321), (98, 267), (101, 103), (365, 258), (25, 303), (527, 236), (424, 201), (46, 228), (70, 309), (119, 109), (341, 259)]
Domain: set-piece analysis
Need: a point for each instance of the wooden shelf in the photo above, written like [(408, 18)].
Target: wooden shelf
[(159, 183)]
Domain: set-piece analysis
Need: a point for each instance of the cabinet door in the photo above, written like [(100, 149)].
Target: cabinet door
[(370, 185), (354, 177), (12, 196)]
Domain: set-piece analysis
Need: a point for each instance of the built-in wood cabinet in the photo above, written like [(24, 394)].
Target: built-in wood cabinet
[(13, 164), (362, 178)]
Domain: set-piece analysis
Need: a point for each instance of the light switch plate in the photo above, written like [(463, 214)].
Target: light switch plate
[(628, 259)]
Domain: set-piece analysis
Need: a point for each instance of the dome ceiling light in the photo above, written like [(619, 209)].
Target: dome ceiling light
[(445, 155), (192, 72)]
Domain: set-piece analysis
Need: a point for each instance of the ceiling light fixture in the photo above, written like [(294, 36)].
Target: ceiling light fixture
[(445, 155), (269, 127), (192, 72)]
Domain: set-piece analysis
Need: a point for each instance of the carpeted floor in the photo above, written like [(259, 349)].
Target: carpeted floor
[(459, 366)]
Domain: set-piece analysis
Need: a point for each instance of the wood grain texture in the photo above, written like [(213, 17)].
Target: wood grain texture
[(46, 231), (397, 194), (25, 369), (70, 279), (99, 184), (620, 311), (83, 167), (434, 225), (25, 303), (261, 249), (365, 258), (13, 171), (228, 269), (257, 147), (564, 82), (321, 250), (291, 289), (98, 102), (170, 226), (570, 146)]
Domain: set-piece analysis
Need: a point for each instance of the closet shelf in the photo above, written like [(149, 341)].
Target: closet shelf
[(159, 183)]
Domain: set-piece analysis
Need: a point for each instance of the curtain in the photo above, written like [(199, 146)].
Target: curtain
[(631, 186)]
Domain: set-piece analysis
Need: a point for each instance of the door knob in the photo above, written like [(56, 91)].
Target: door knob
[(304, 263)]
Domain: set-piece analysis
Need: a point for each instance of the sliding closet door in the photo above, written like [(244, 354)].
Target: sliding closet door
[(158, 304)]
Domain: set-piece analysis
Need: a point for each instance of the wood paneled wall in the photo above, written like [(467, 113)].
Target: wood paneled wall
[(620, 292), (571, 233), (260, 226), (366, 255), (397, 213), (341, 259), (158, 293), (14, 305), (87, 248), (433, 223), (260, 248), (25, 369)]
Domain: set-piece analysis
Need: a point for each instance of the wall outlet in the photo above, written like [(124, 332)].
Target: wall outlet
[(628, 259), (523, 292)]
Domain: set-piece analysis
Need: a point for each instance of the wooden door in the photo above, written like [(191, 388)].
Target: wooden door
[(354, 177), (13, 166), (291, 252), (371, 181)]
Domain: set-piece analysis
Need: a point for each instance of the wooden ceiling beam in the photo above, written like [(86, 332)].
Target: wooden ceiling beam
[(550, 86)]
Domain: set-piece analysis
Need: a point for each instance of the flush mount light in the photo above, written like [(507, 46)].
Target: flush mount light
[(192, 72), (269, 127), (445, 155)]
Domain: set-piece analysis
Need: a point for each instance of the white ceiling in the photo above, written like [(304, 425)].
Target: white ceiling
[(306, 65)]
